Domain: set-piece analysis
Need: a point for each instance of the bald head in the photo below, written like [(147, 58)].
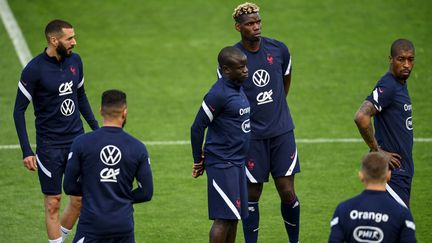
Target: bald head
[(375, 167), (229, 56)]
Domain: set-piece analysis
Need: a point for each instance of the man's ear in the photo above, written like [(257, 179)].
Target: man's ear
[(124, 113), (53, 41), (237, 26), (361, 176), (388, 176)]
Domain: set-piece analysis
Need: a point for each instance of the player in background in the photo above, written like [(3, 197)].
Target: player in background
[(102, 167), (390, 105), (372, 216), (225, 112), (272, 148), (54, 81)]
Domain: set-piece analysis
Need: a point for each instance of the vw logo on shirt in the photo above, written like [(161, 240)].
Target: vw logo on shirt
[(110, 155)]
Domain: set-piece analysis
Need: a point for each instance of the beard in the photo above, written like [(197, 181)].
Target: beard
[(62, 51)]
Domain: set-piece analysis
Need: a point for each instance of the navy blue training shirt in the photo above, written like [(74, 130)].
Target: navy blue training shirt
[(393, 122), (270, 115), (102, 166), (372, 216), (225, 111), (57, 91)]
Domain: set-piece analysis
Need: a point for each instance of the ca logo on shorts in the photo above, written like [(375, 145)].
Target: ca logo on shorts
[(110, 155), (67, 107), (261, 78)]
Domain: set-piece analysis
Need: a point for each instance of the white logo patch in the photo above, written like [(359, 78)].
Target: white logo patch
[(110, 155), (261, 78), (408, 123), (67, 107), (65, 88), (246, 126), (265, 97), (109, 175), (368, 234)]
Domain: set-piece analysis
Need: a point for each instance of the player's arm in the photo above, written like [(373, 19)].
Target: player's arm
[(83, 103), (71, 182), (144, 191), (287, 83), (197, 138), (407, 233), (336, 231), (286, 67), (210, 108), (84, 107), (363, 120), (26, 87)]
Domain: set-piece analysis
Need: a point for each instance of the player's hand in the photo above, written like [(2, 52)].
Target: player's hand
[(30, 162), (198, 168), (395, 159)]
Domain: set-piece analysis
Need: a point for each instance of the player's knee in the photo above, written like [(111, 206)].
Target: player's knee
[(52, 204), (287, 196), (254, 192)]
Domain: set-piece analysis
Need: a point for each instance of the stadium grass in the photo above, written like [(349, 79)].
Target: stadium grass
[(163, 54)]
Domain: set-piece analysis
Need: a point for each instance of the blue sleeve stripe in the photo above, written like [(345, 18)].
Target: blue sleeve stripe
[(24, 91), (288, 70), (207, 111), (81, 83)]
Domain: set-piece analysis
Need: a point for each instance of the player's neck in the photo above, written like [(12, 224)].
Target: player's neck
[(51, 52), (252, 46), (375, 186), (112, 123)]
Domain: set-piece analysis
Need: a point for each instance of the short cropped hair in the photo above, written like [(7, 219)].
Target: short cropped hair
[(401, 44), (113, 103), (375, 166), (244, 8), (228, 54), (55, 27)]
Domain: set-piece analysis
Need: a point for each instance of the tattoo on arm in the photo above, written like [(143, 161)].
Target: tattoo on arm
[(364, 123)]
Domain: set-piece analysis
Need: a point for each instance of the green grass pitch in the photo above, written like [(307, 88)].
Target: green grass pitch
[(163, 54)]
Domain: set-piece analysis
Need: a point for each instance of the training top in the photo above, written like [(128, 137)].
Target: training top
[(57, 91), (102, 166), (393, 122), (372, 216), (270, 115), (225, 111)]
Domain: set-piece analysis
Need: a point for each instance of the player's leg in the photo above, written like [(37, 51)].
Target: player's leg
[(223, 231), (284, 165), (232, 232), (52, 217), (70, 215), (257, 170), (290, 206), (50, 171), (227, 201)]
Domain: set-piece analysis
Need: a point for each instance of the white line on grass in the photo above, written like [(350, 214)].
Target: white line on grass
[(15, 33), (299, 141)]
